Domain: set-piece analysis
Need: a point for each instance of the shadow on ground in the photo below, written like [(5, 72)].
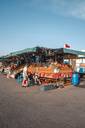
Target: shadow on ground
[(82, 84)]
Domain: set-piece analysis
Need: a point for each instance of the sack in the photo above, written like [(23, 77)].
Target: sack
[(25, 83)]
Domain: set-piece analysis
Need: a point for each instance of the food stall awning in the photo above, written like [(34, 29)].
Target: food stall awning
[(74, 52), (34, 49), (23, 51), (69, 51)]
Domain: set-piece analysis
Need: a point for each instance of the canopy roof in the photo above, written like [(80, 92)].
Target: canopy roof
[(34, 49), (69, 51), (74, 52), (23, 51)]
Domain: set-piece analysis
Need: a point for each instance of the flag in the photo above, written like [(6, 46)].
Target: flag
[(66, 46)]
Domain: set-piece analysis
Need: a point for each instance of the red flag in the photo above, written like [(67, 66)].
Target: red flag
[(66, 46)]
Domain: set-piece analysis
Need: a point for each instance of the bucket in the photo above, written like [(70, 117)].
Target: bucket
[(75, 79)]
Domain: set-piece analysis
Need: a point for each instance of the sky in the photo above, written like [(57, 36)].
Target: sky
[(47, 23)]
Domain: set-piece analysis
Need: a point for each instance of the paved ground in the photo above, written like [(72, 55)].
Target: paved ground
[(32, 108)]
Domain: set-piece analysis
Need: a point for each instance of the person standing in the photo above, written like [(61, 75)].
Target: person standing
[(25, 77), (9, 72)]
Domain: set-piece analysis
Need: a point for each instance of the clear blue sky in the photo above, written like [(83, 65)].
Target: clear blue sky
[(47, 23)]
